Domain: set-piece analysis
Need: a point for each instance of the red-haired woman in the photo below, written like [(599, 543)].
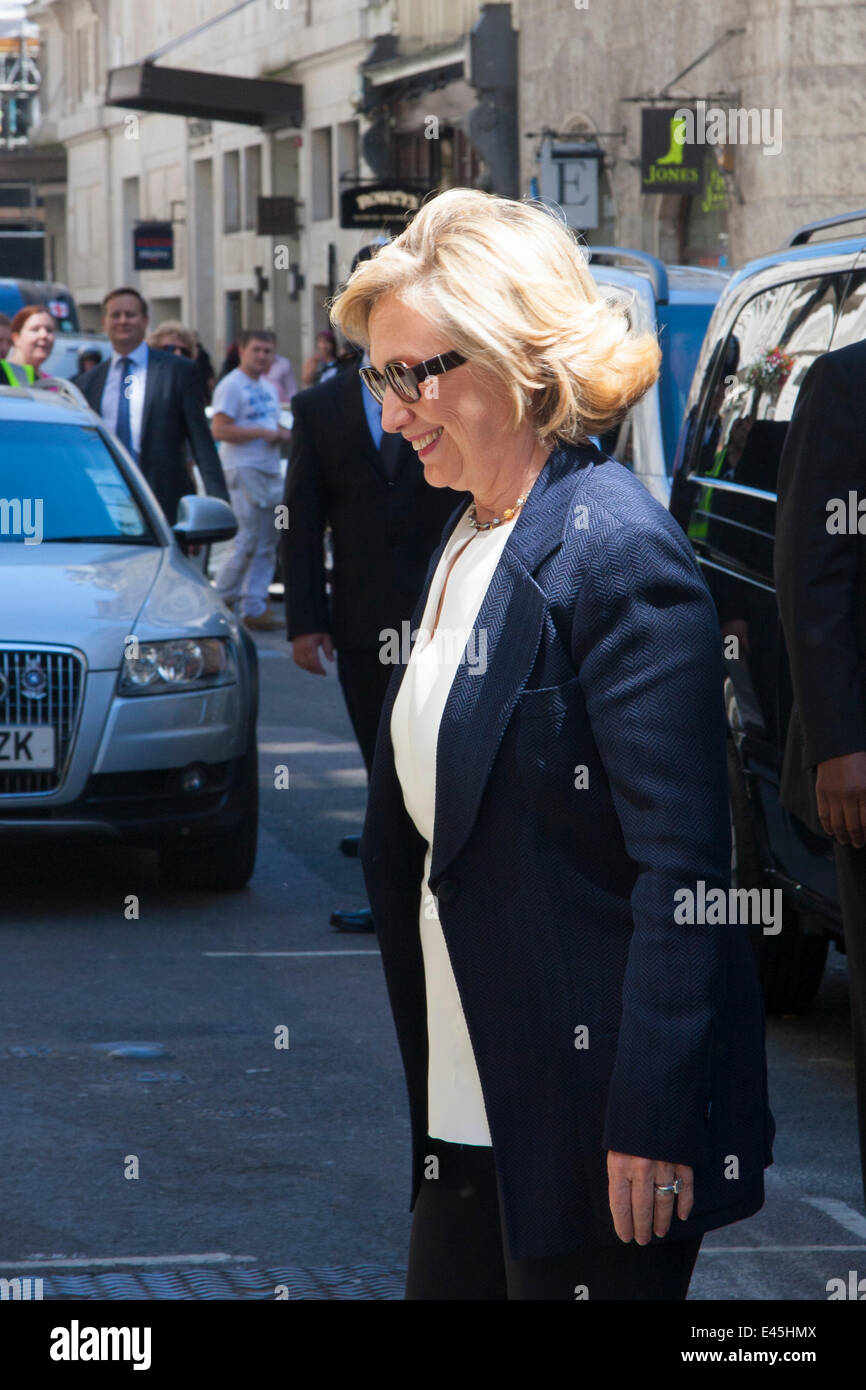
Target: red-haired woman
[(33, 332)]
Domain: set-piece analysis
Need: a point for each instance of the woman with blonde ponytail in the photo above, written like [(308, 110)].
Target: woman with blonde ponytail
[(547, 842)]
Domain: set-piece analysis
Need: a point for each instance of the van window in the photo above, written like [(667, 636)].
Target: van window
[(682, 329), (734, 460), (758, 371), (851, 323)]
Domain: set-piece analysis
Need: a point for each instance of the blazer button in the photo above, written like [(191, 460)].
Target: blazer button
[(447, 890)]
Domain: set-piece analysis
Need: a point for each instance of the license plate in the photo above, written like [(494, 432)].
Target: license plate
[(26, 747)]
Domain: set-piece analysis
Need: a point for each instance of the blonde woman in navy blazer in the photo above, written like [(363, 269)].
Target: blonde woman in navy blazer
[(547, 842)]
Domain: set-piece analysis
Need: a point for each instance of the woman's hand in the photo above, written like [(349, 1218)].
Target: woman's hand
[(637, 1209)]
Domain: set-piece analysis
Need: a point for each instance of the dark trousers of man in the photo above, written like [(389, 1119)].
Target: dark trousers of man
[(364, 679), (851, 873), (458, 1249)]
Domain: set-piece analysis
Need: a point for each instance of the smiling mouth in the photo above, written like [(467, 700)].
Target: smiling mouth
[(424, 440)]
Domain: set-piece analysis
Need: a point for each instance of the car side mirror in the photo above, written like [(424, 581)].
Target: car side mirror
[(203, 521)]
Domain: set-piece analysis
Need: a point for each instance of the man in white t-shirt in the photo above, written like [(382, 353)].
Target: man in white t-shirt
[(246, 421)]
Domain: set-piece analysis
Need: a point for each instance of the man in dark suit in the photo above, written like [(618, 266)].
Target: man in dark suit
[(153, 402), (820, 562), (385, 523)]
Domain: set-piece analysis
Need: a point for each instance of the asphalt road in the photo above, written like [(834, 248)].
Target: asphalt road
[(255, 1162)]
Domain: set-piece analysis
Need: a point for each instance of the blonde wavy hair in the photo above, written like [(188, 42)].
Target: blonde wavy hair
[(173, 328), (509, 288)]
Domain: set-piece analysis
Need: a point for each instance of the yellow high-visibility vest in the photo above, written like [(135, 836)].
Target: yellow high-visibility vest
[(14, 373)]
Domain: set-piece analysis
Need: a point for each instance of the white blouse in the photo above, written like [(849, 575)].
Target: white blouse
[(455, 1102)]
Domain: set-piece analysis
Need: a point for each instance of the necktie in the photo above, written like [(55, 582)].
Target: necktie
[(123, 429)]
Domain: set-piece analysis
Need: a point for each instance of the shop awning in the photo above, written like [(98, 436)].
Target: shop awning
[(210, 96)]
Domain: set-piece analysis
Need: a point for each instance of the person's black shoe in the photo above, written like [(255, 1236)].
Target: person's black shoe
[(349, 846), (353, 921)]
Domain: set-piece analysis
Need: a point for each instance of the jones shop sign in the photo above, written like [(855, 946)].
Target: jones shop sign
[(153, 246), (667, 163)]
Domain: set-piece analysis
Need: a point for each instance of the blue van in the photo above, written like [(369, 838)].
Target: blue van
[(14, 294), (676, 302)]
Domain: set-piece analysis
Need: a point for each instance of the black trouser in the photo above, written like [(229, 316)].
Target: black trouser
[(458, 1248), (851, 873), (364, 679)]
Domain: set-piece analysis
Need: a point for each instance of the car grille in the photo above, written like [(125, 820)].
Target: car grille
[(59, 707)]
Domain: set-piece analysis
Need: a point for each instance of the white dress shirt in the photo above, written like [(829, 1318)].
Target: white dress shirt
[(111, 394), (455, 1103)]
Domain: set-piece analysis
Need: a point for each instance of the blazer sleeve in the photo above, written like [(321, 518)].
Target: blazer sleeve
[(199, 435), (816, 572), (647, 648), (306, 497)]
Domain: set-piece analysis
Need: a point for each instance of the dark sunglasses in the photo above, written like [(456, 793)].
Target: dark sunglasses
[(405, 381)]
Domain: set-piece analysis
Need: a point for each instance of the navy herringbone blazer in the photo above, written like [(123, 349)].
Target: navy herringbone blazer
[(580, 785)]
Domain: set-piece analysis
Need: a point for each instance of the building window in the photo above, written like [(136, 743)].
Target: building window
[(347, 151), (322, 174), (232, 191), (451, 161), (252, 185), (234, 322), (417, 158), (130, 202), (84, 66)]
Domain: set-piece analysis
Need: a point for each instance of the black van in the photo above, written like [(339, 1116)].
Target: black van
[(774, 317)]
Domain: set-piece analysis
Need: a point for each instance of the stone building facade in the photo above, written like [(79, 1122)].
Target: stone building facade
[(800, 64), (427, 94), (367, 76)]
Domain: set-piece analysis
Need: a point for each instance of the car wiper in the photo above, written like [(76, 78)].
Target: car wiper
[(98, 540)]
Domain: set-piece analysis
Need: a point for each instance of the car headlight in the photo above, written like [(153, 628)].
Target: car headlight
[(184, 663)]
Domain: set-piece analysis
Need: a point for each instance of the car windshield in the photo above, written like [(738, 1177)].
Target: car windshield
[(682, 328), (62, 483)]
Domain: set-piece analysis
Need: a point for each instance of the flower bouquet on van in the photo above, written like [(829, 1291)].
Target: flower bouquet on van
[(770, 371)]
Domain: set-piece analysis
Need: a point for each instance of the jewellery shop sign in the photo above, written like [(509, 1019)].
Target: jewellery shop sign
[(382, 206), (669, 161)]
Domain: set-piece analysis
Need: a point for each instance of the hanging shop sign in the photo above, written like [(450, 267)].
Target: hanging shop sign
[(389, 206), (153, 246), (277, 216), (569, 178), (669, 162)]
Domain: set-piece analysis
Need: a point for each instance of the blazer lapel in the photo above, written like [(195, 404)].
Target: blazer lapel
[(155, 367), (507, 632), (95, 390)]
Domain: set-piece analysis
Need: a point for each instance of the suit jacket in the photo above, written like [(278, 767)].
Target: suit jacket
[(173, 416), (385, 519), (557, 902), (821, 577)]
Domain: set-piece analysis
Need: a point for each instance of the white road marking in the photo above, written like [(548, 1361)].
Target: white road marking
[(291, 953), (841, 1213), (769, 1250), (308, 747), (82, 1262)]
